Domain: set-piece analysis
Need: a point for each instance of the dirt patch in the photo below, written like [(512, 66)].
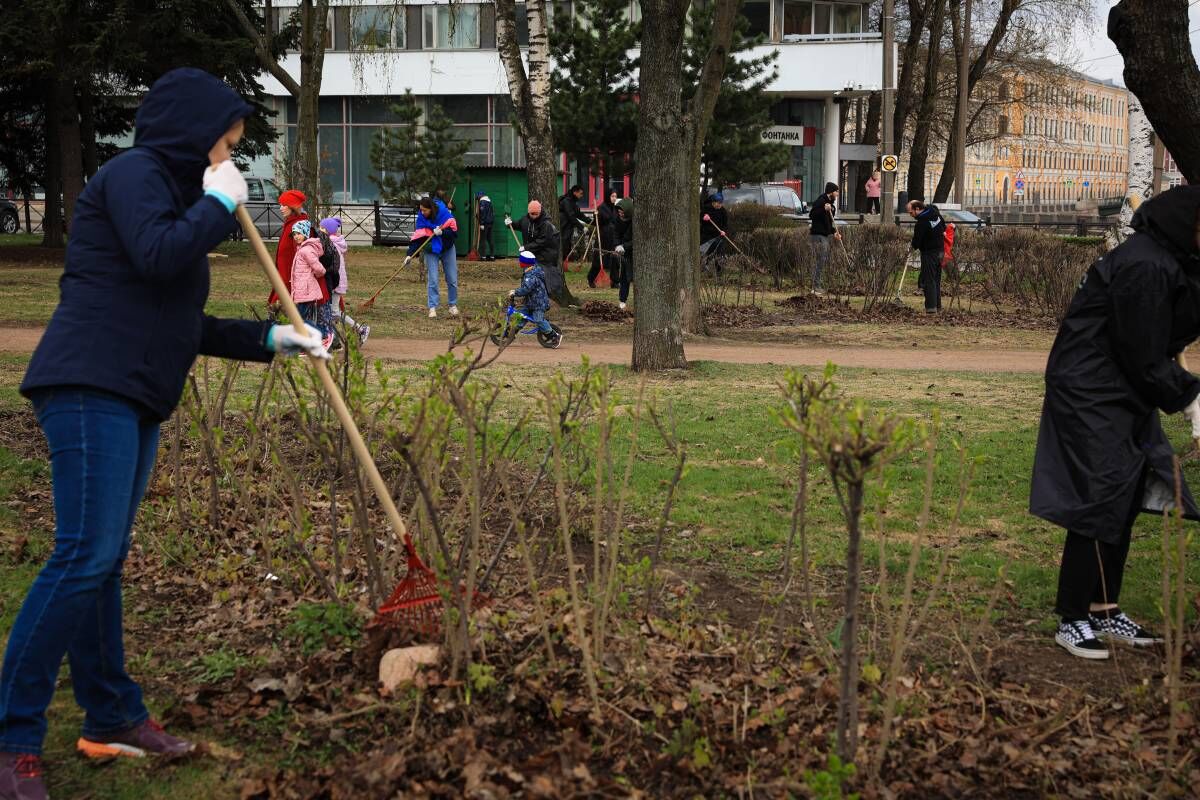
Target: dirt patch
[(815, 308), (601, 311), (26, 256)]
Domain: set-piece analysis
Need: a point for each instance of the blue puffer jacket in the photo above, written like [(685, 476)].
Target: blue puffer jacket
[(130, 319), (533, 289)]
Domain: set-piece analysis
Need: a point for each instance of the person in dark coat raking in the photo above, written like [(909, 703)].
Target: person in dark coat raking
[(109, 369), (929, 240), (1102, 456), (570, 219)]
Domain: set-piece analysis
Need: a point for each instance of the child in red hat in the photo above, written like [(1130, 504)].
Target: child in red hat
[(291, 206)]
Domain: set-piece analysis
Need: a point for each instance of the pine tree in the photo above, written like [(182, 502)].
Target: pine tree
[(733, 149), (398, 157), (442, 151), (592, 109)]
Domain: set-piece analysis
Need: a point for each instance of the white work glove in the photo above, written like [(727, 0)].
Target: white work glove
[(619, 250), (1192, 412), (508, 220), (437, 231), (512, 293), (225, 182), (285, 340)]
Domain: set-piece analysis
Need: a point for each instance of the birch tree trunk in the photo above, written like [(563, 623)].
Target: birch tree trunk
[(530, 93), (1160, 69), (1141, 163)]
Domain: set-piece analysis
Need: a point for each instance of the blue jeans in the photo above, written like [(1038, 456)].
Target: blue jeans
[(101, 455), (449, 262), (538, 318)]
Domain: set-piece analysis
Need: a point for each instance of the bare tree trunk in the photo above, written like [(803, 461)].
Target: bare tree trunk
[(314, 21), (663, 161), (52, 222), (1160, 69), (908, 60), (87, 131), (1141, 162), (919, 156), (530, 93), (978, 68), (314, 18), (703, 105), (847, 714)]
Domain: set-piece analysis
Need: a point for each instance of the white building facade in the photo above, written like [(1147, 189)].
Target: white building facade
[(375, 53)]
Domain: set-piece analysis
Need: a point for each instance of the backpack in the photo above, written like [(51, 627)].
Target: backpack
[(329, 260)]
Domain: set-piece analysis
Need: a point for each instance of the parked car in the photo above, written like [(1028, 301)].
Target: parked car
[(396, 225), (963, 219), (263, 207), (766, 194), (10, 220)]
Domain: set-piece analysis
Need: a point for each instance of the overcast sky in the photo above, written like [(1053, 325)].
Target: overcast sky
[(1093, 54)]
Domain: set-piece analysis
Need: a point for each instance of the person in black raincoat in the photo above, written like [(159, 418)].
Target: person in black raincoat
[(606, 218), (1102, 456)]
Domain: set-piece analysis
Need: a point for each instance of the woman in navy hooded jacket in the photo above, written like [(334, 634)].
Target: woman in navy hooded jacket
[(109, 369)]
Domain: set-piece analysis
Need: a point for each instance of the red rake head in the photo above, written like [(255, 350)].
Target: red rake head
[(415, 603)]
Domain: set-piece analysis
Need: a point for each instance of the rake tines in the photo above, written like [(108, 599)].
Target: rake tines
[(415, 604)]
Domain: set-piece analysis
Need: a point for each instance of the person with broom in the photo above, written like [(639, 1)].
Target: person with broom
[(1102, 457), (109, 369)]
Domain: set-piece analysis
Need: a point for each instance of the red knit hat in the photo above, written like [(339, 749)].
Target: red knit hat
[(292, 199)]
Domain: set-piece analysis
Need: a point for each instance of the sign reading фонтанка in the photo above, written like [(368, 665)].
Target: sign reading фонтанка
[(795, 135)]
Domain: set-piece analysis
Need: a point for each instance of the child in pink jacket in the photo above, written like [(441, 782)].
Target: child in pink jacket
[(307, 273)]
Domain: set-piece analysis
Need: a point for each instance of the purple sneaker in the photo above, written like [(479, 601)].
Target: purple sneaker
[(149, 738), (21, 777)]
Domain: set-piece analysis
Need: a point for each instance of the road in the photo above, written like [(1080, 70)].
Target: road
[(527, 351)]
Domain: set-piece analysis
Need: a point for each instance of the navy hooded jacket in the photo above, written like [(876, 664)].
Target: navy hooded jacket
[(130, 319)]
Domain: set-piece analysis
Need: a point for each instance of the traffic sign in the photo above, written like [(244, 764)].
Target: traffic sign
[(890, 163), (1087, 183), (978, 181), (1020, 183)]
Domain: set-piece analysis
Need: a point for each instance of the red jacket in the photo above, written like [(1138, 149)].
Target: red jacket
[(285, 254)]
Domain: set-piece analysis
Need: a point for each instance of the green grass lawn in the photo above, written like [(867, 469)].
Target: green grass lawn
[(239, 289)]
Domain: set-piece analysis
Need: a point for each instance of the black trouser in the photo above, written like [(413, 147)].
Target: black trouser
[(872, 205), (626, 278), (486, 249), (1092, 570), (567, 240), (931, 279)]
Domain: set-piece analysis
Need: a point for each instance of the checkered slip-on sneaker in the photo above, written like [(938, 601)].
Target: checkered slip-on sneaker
[(1078, 639), (1114, 624)]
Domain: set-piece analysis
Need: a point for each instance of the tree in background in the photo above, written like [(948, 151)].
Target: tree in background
[(671, 134), (396, 155), (733, 148), (71, 68), (305, 31), (442, 151), (1160, 69), (592, 109), (529, 88)]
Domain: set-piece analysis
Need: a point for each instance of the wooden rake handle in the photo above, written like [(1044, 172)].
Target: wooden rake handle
[(725, 236), (331, 388)]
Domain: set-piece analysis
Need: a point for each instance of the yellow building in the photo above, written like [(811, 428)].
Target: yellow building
[(1059, 140)]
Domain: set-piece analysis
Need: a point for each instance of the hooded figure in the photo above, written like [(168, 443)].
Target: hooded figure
[(109, 368), (1102, 456), (130, 318)]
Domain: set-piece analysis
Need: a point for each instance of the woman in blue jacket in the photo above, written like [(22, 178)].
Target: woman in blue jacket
[(109, 369)]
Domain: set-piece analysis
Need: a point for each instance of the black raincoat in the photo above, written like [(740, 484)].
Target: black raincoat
[(1112, 369)]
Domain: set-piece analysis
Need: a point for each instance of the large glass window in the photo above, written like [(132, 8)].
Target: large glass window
[(451, 27), (797, 17), (758, 15), (377, 27), (822, 18), (847, 18)]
